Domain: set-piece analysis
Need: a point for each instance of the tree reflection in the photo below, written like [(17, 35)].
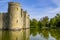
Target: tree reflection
[(45, 32), (33, 31), (55, 33), (15, 35)]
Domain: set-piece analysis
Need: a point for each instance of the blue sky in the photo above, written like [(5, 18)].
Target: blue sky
[(35, 8)]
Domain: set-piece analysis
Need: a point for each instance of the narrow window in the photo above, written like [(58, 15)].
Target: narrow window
[(21, 12), (17, 8), (17, 21)]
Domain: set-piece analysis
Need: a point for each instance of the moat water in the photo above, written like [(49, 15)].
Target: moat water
[(30, 34)]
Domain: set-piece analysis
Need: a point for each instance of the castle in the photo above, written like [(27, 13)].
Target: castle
[(15, 18)]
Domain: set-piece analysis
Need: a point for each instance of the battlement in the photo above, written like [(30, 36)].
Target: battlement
[(14, 4)]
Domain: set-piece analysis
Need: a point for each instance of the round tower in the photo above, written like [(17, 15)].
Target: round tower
[(14, 11)]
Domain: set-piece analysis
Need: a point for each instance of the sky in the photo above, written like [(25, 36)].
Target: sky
[(35, 8)]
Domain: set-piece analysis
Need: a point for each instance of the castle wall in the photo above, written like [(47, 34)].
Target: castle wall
[(5, 21), (14, 11), (27, 20), (1, 21), (22, 17)]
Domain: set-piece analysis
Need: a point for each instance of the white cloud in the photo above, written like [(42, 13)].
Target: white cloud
[(40, 12), (56, 10), (57, 2)]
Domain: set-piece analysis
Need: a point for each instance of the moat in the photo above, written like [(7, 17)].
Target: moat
[(31, 34)]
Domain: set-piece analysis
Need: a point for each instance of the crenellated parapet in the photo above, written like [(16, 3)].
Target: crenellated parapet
[(13, 4)]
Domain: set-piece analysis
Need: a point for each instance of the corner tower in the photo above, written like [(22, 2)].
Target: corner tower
[(14, 11)]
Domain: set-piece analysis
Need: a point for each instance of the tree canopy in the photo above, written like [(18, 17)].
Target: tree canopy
[(45, 22)]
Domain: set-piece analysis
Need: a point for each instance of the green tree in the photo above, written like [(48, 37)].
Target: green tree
[(45, 21), (39, 24), (34, 23), (52, 22), (57, 20)]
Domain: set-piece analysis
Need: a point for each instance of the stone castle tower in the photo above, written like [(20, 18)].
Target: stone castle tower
[(14, 11), (16, 18)]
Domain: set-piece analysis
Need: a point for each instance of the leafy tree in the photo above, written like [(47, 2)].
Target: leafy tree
[(52, 22), (45, 21), (57, 20), (39, 24), (34, 23)]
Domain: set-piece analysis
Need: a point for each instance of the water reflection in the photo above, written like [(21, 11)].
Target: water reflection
[(14, 35), (44, 34), (0, 35), (31, 34), (26, 34)]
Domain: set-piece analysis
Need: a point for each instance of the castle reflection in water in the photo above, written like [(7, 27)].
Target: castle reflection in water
[(15, 35)]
